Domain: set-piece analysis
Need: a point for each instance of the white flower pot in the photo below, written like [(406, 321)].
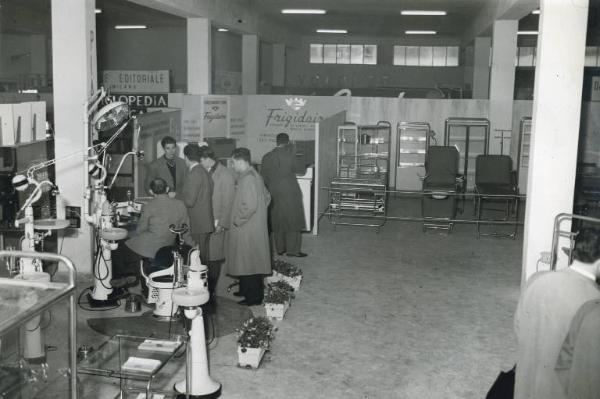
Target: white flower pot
[(276, 310), (293, 281), (250, 357)]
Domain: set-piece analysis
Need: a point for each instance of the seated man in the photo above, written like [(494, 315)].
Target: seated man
[(152, 231), (546, 308)]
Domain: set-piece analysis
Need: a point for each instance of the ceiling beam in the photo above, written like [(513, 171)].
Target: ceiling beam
[(237, 15), (496, 10)]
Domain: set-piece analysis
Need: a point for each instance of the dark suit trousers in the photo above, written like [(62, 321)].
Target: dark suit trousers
[(290, 242), (214, 270), (126, 262), (251, 287), (202, 240)]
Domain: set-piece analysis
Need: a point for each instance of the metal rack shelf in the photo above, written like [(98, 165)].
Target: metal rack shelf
[(412, 144)]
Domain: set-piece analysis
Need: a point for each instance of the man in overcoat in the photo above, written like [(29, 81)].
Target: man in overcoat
[(197, 197), (222, 201), (286, 210), (248, 254), (169, 167)]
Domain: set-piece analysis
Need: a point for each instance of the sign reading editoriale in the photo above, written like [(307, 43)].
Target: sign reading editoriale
[(136, 81), (141, 101)]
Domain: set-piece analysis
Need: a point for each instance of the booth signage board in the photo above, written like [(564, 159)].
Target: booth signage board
[(136, 81), (595, 96), (215, 117), (142, 101), (268, 116), (237, 118)]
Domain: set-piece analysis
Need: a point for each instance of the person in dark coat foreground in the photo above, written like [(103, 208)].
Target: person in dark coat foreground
[(248, 255), (286, 210), (169, 167), (544, 314)]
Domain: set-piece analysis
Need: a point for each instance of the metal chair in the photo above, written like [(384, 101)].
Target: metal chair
[(495, 181), (441, 183)]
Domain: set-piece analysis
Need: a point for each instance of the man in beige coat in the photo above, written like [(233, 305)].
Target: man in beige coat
[(248, 254), (222, 200), (197, 197)]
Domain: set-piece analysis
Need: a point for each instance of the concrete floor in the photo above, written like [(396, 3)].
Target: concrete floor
[(399, 314)]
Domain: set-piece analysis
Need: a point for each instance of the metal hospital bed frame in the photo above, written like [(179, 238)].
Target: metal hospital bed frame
[(558, 220)]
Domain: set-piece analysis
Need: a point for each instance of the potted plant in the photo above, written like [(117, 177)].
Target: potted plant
[(285, 271), (277, 299), (254, 338)]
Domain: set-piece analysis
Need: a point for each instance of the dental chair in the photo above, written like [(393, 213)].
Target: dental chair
[(495, 182), (441, 183), (164, 273)]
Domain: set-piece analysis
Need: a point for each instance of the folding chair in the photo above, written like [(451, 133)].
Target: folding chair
[(440, 185), (495, 181)]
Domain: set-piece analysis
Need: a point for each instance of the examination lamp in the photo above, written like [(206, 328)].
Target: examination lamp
[(111, 116)]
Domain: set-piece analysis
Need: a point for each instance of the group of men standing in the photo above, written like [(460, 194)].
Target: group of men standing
[(227, 213)]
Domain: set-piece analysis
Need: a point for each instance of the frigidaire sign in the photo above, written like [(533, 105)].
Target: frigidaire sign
[(294, 116), (136, 81)]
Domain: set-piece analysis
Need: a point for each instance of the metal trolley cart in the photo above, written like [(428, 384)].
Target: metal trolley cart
[(412, 140), (364, 151), (470, 136), (363, 165), (20, 301), (357, 198)]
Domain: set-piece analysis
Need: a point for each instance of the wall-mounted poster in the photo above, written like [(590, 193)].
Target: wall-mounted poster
[(215, 116), (227, 82)]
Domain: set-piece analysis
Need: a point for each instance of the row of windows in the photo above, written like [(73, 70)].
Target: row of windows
[(526, 56), (343, 54), (426, 56), (366, 54)]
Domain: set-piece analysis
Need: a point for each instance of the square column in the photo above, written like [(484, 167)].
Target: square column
[(502, 82), (279, 64), (555, 133), (38, 58), (481, 67), (199, 56), (74, 72), (250, 65)]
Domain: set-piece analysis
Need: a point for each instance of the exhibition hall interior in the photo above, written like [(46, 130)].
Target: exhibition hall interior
[(299, 199)]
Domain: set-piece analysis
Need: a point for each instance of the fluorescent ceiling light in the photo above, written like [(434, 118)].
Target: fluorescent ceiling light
[(130, 26), (223, 30), (422, 12), (98, 11), (536, 11), (527, 32), (332, 31), (420, 32), (302, 11)]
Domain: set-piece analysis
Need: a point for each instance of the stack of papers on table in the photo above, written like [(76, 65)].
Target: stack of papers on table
[(140, 365), (155, 345)]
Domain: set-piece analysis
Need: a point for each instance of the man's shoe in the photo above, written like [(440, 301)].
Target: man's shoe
[(237, 293), (298, 255)]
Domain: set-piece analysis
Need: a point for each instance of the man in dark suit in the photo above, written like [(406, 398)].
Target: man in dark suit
[(152, 232), (197, 197), (169, 167), (286, 211)]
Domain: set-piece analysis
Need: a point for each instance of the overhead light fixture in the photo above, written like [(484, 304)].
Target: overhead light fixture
[(130, 26), (332, 31), (302, 11), (422, 12), (420, 32), (98, 11), (527, 32), (223, 30), (536, 12)]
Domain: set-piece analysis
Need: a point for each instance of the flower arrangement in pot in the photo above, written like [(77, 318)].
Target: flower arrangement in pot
[(285, 271), (254, 339), (277, 299)]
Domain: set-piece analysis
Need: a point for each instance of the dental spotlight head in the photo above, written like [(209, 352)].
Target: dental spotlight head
[(20, 182), (111, 116)]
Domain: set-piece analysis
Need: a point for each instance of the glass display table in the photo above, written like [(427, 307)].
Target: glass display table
[(129, 358)]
